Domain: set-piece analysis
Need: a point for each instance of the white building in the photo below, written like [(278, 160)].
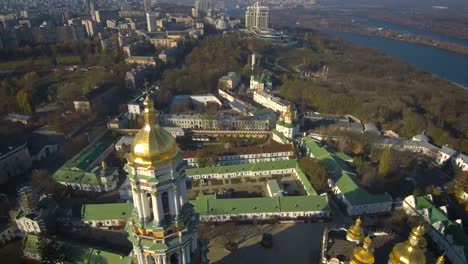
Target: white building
[(230, 81), (257, 17), (242, 155), (445, 154), (106, 216), (260, 83), (269, 101), (461, 160), (7, 233), (286, 127), (15, 158), (215, 122), (151, 22)]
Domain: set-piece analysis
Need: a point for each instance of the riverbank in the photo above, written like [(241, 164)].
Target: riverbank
[(418, 39)]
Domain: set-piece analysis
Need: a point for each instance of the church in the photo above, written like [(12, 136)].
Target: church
[(162, 227)]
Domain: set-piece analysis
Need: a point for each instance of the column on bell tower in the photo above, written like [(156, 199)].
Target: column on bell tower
[(176, 200), (137, 202), (145, 205), (183, 192), (157, 207)]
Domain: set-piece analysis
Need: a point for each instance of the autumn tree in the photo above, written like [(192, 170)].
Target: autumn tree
[(385, 162), (24, 102), (51, 250), (315, 172)]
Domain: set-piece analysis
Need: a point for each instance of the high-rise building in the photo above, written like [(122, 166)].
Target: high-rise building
[(151, 21), (162, 227), (257, 17), (201, 7), (147, 5)]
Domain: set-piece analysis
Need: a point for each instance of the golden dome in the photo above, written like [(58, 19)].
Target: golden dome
[(152, 144), (409, 252), (440, 260), (355, 232), (363, 255)]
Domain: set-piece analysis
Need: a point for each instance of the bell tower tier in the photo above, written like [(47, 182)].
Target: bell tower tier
[(162, 227)]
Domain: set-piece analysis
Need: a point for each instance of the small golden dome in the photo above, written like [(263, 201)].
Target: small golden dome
[(440, 260), (363, 255), (409, 252), (152, 144), (355, 232)]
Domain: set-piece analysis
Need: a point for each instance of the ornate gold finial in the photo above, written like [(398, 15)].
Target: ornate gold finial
[(410, 252), (355, 232), (363, 255), (150, 113), (440, 260)]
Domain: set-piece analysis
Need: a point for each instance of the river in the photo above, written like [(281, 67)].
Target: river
[(445, 64), (414, 31)]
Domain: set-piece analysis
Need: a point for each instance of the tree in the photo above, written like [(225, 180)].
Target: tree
[(315, 172), (24, 102), (385, 162), (51, 250)]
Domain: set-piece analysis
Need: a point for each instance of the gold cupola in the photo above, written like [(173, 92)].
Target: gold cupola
[(409, 252), (355, 232), (440, 260), (152, 145), (364, 254)]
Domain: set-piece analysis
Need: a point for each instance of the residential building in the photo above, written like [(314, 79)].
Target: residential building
[(461, 160), (15, 158), (161, 227), (201, 8), (219, 122), (230, 81), (447, 235), (243, 209), (83, 172), (269, 101), (445, 154), (76, 253), (344, 184), (242, 155), (259, 169), (257, 17), (95, 100), (18, 118), (106, 216), (35, 215), (41, 146), (141, 60), (8, 231), (151, 19)]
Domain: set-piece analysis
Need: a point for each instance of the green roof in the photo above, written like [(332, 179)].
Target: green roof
[(255, 167), (343, 179), (284, 124), (78, 170), (284, 140), (89, 155), (79, 254), (344, 156), (260, 205), (423, 202), (106, 211), (314, 148)]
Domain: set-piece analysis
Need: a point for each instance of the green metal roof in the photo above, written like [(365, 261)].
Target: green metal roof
[(260, 205), (284, 124), (106, 211), (423, 202), (316, 150), (80, 254), (346, 182), (284, 140)]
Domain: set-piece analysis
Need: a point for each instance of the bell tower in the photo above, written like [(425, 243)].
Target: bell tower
[(162, 227)]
